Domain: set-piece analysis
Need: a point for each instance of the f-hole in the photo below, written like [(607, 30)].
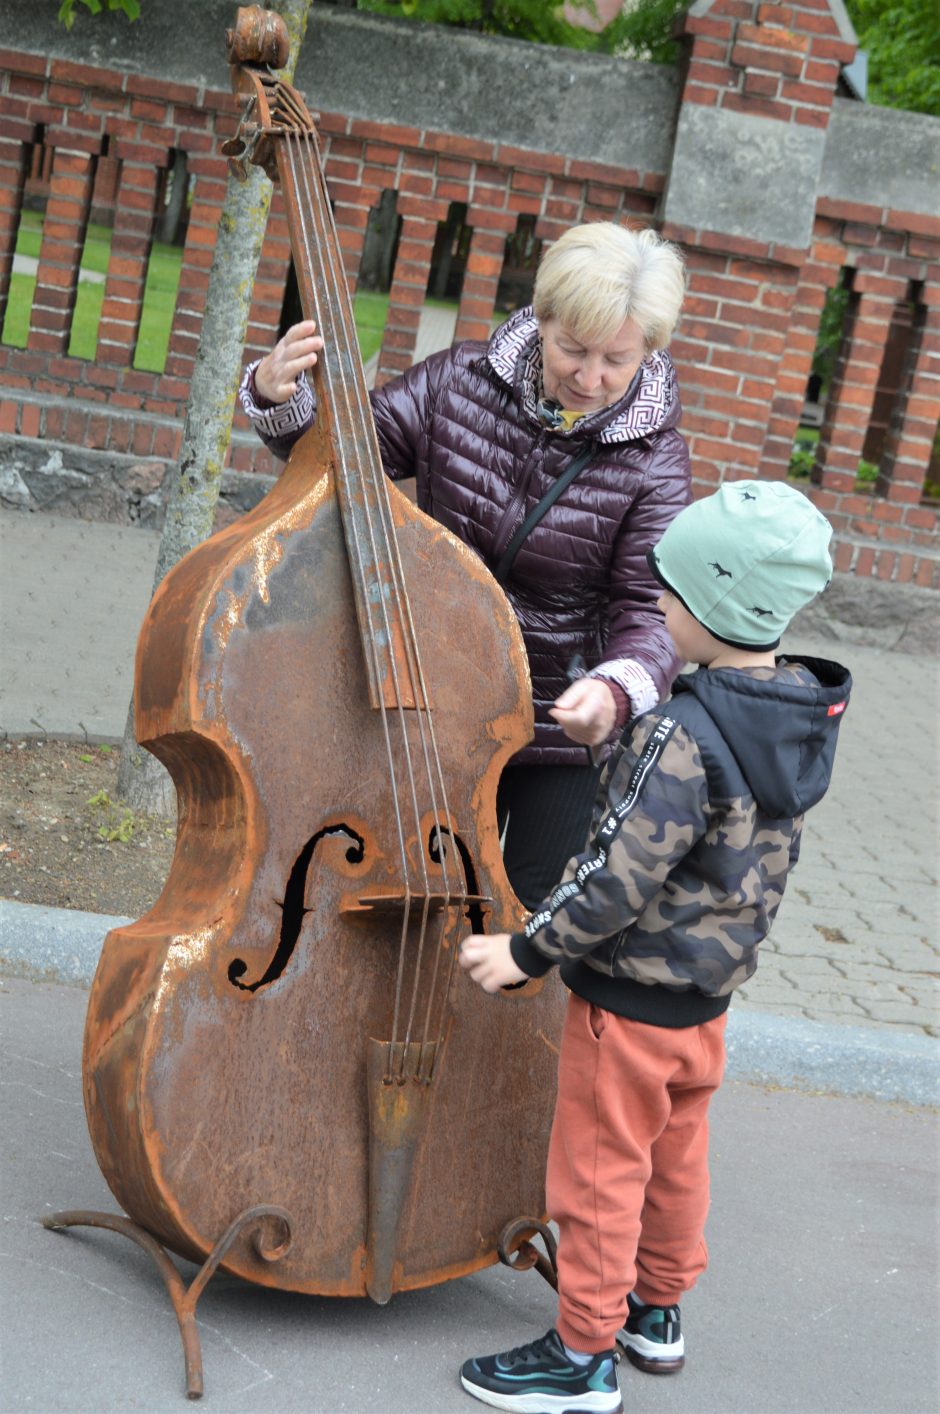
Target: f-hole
[(436, 839), (292, 909)]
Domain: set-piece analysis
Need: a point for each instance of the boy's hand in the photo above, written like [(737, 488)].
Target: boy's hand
[(487, 958)]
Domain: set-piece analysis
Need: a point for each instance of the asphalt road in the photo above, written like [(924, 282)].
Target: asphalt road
[(821, 1295)]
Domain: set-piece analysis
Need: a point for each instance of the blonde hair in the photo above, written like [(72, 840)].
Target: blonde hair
[(597, 275)]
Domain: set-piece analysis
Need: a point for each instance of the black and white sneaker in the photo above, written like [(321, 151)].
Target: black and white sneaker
[(539, 1378), (652, 1338)]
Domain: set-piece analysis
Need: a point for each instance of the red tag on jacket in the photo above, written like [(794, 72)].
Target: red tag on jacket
[(835, 709)]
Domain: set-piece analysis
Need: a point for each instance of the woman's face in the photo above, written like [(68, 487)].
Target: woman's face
[(587, 377)]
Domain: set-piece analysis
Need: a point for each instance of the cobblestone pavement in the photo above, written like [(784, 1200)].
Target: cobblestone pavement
[(857, 937)]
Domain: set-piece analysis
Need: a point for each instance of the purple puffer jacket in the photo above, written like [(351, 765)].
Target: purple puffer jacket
[(464, 424)]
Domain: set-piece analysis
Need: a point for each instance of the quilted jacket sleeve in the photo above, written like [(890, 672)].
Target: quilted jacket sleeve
[(635, 627), (403, 410)]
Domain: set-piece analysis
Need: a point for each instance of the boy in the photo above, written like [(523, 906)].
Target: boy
[(696, 827)]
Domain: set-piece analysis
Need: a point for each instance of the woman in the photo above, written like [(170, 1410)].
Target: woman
[(487, 429)]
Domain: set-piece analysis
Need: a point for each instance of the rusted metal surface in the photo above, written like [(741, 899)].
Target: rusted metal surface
[(270, 1233), (259, 37), (400, 1080), (335, 684), (516, 1249)]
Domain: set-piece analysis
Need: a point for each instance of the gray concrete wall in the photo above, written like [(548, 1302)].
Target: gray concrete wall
[(882, 157), (499, 90), (582, 105)]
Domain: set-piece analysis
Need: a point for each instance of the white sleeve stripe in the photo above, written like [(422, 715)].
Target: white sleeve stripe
[(636, 682), (609, 827)]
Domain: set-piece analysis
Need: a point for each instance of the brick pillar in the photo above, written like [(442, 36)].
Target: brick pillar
[(759, 79), (134, 219), (848, 411), (63, 236), (480, 282), (208, 199), (16, 151), (267, 296), (409, 283), (731, 340), (819, 274), (355, 187), (911, 436), (352, 221)]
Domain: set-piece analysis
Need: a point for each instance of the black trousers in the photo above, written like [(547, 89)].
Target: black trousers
[(545, 811)]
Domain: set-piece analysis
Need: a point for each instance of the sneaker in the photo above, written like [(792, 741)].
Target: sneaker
[(652, 1338), (540, 1379)]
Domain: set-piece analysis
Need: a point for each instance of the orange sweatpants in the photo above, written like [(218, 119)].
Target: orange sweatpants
[(627, 1178)]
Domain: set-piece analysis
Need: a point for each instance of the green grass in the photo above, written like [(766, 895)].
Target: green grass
[(156, 319), (163, 273), (29, 236), (89, 297), (803, 459), (19, 304), (369, 311)]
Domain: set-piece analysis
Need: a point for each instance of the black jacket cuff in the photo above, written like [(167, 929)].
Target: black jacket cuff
[(527, 958)]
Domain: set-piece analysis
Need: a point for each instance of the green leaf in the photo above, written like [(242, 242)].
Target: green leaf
[(131, 8)]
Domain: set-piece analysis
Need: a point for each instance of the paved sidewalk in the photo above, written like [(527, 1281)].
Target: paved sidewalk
[(832, 1193), (819, 1298), (857, 937)]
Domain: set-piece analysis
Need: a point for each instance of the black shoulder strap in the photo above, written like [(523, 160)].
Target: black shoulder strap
[(578, 463)]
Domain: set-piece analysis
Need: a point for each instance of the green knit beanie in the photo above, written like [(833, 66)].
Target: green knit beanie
[(745, 559)]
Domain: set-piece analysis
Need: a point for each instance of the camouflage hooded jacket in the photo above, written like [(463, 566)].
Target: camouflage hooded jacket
[(696, 827)]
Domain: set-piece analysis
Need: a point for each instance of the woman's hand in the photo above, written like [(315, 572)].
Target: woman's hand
[(277, 374), (586, 711), (487, 958)]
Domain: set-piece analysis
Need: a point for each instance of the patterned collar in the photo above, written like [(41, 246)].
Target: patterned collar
[(515, 356)]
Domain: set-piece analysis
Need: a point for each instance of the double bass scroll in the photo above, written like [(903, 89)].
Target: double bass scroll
[(335, 684)]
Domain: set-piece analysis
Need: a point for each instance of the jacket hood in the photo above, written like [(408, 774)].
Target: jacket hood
[(780, 724), (650, 405)]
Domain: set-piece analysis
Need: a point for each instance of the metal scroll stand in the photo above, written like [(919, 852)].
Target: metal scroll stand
[(184, 1298), (516, 1250)]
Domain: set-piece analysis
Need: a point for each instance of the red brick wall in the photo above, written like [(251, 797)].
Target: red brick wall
[(745, 343)]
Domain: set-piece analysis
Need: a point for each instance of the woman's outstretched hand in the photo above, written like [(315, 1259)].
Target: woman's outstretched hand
[(487, 958), (277, 374), (586, 711)]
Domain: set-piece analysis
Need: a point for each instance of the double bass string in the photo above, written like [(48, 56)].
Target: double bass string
[(426, 727), (414, 668), (413, 660), (328, 380), (342, 340)]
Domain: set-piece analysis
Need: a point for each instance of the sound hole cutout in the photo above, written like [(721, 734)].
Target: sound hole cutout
[(436, 840), (293, 910)]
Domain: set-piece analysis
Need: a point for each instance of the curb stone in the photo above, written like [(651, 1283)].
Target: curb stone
[(63, 945)]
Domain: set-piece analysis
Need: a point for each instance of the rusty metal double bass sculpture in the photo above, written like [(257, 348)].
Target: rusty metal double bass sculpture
[(334, 683)]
